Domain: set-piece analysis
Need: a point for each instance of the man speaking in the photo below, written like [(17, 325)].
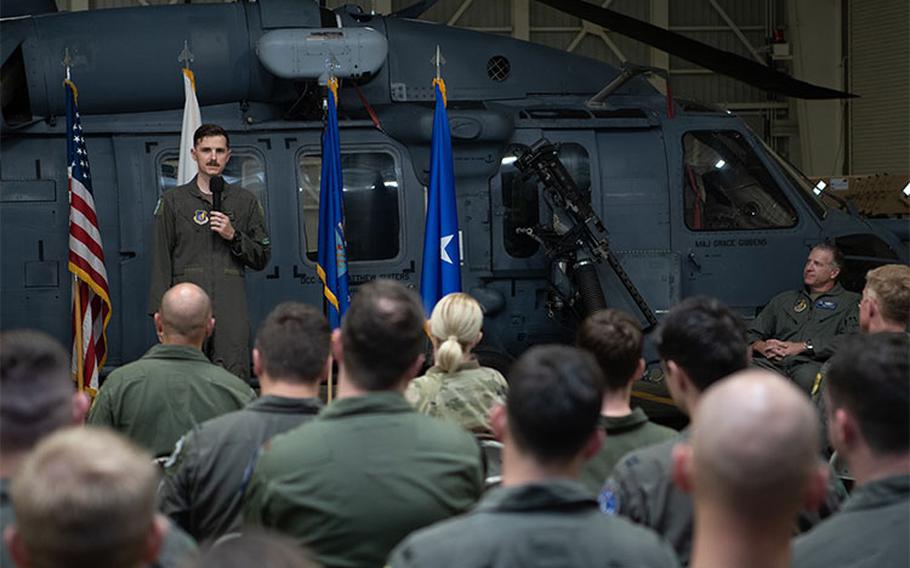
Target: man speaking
[(208, 233)]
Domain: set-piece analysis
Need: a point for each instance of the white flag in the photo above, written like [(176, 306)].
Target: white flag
[(192, 119)]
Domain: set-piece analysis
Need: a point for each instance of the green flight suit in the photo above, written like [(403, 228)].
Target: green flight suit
[(464, 396), (202, 488), (795, 316), (624, 434), (364, 474), (185, 249), (642, 490), (552, 523), (160, 397), (871, 531), (177, 548)]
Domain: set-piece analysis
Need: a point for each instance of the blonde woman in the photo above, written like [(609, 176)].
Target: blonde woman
[(456, 387)]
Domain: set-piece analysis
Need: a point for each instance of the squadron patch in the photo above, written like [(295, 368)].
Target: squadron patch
[(800, 305), (608, 500), (201, 216)]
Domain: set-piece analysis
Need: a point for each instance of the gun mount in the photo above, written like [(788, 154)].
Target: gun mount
[(576, 240)]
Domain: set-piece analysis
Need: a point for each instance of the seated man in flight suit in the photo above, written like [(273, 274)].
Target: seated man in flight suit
[(795, 332)]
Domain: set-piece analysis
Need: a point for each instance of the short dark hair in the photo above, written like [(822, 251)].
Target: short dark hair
[(553, 403), (837, 257), (870, 377), (705, 338), (614, 338), (293, 342), (256, 546), (36, 388), (382, 334), (207, 130)]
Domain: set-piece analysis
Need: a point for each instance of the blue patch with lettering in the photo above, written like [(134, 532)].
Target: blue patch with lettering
[(826, 305)]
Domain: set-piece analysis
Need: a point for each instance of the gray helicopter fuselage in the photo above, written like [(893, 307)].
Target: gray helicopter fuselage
[(746, 241)]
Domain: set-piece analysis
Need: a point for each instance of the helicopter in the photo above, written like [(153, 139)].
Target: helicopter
[(579, 185)]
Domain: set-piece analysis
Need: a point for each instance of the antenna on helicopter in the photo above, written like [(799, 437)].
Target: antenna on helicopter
[(67, 62), (438, 61), (186, 56)]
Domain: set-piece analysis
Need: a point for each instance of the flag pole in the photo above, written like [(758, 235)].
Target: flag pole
[(79, 351)]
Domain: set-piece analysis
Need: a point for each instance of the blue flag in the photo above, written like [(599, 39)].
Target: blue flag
[(441, 272), (332, 258)]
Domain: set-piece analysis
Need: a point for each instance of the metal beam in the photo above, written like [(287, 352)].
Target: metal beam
[(737, 31), (581, 34), (382, 6), (521, 19), (459, 12), (660, 16)]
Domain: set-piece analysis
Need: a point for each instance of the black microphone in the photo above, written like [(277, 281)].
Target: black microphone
[(217, 186)]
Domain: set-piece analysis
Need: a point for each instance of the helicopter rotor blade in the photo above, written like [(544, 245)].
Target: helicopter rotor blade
[(415, 10), (717, 60)]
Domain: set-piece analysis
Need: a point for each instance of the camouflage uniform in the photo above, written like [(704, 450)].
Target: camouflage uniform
[(157, 399), (187, 250), (799, 316), (464, 397)]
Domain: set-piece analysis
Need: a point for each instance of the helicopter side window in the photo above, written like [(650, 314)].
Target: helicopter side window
[(726, 186), (245, 168), (521, 198), (370, 200)]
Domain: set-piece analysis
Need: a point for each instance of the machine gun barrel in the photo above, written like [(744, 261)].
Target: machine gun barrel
[(542, 161)]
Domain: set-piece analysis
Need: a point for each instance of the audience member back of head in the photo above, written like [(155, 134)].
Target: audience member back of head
[(751, 466), (369, 469), (868, 421), (615, 339), (542, 515), (85, 498)]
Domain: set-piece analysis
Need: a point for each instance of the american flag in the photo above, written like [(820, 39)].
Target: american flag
[(91, 295)]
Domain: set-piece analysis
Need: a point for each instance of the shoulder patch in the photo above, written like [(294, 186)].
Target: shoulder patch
[(608, 498)]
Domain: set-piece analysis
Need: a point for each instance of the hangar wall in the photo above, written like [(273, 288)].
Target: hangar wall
[(879, 64)]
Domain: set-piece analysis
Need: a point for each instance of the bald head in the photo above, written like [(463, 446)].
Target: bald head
[(185, 315), (754, 445)]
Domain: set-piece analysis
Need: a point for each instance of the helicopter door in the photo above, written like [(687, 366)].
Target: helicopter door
[(634, 206), (740, 233)]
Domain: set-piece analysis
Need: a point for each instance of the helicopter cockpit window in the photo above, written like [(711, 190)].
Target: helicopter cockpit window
[(521, 198), (245, 168), (727, 188), (370, 199)]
